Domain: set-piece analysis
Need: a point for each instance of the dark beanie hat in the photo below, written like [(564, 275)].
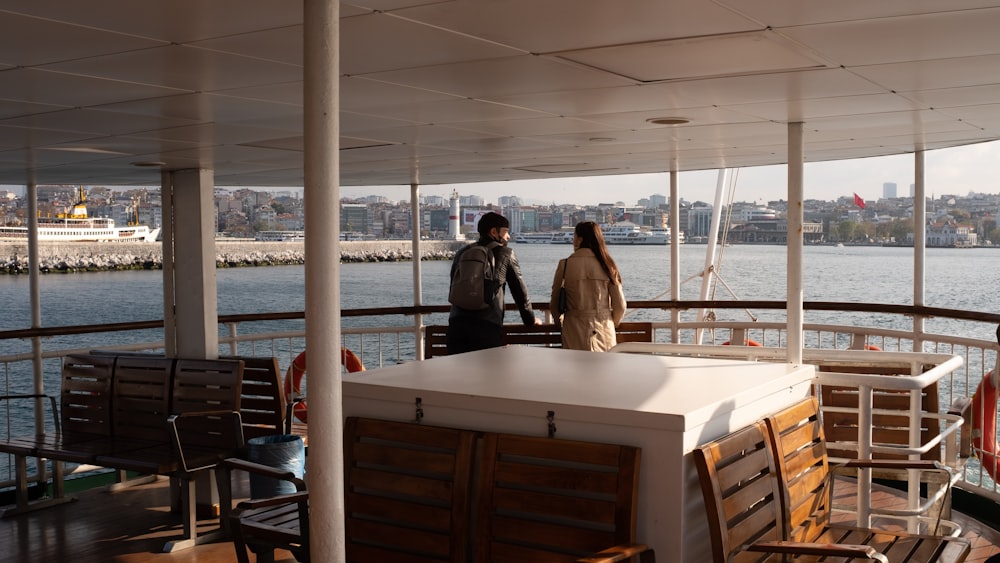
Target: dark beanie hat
[(492, 221)]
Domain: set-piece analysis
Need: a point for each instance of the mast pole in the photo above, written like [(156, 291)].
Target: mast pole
[(713, 238)]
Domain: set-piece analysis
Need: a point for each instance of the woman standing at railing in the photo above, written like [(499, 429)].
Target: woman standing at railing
[(587, 298)]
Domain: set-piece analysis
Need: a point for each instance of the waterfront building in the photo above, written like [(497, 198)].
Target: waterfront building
[(354, 217), (699, 220), (471, 201)]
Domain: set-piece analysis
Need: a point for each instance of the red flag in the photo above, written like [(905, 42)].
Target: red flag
[(858, 201)]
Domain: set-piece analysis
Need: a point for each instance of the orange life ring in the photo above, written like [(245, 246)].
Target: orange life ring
[(984, 424), (296, 371), (872, 347), (747, 342)]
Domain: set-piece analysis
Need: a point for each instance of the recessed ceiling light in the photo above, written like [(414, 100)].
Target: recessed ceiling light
[(149, 164), (668, 120)]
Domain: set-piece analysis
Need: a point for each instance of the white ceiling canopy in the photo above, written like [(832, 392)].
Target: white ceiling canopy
[(467, 90)]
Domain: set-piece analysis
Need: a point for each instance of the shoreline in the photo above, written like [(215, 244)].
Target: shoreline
[(120, 256)]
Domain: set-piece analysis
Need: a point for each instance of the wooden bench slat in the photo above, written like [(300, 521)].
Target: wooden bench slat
[(557, 467), (436, 336)]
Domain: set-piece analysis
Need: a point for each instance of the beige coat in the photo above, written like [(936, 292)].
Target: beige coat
[(596, 304)]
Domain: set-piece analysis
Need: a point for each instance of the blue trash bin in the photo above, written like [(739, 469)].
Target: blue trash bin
[(285, 452)]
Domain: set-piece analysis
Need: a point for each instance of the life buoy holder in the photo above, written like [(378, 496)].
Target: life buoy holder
[(296, 371), (984, 424), (747, 342)]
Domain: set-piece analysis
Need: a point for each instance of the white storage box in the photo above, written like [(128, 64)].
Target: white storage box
[(666, 405)]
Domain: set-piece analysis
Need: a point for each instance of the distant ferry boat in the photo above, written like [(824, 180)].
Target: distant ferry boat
[(630, 233), (76, 226), (565, 237), (533, 238), (617, 233), (280, 236)]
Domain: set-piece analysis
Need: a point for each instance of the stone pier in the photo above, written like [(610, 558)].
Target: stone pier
[(87, 257)]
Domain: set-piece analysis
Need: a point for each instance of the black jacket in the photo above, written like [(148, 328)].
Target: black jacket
[(509, 271)]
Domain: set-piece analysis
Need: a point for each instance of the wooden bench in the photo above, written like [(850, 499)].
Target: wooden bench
[(135, 412), (413, 494), (84, 414), (767, 489), (436, 336)]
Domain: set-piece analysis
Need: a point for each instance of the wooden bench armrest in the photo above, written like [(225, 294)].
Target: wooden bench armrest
[(621, 553), (291, 498), (52, 404), (263, 470), (223, 417), (818, 549)]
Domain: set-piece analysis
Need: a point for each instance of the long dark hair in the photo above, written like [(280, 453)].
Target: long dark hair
[(591, 237)]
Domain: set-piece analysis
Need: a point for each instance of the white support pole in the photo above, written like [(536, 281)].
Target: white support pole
[(919, 245), (321, 115), (675, 254), (418, 319), (34, 290), (864, 495), (919, 258), (193, 271), (796, 156), (167, 248)]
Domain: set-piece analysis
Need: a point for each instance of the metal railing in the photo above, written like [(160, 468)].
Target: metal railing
[(390, 335)]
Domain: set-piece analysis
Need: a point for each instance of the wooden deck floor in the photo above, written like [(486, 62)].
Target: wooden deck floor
[(132, 526), (984, 539), (129, 526)]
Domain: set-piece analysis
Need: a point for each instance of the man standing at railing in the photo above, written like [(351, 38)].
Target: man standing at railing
[(479, 274)]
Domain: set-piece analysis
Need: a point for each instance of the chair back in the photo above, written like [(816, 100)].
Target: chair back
[(741, 491), (262, 400), (408, 491), (85, 395), (801, 462), (141, 400), (206, 385), (546, 499)]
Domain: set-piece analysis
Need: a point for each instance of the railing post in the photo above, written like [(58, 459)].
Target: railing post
[(865, 400), (233, 344)]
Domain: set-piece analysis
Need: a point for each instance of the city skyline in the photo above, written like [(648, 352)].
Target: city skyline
[(958, 171)]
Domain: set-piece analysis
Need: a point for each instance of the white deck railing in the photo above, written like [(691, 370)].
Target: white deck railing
[(386, 345)]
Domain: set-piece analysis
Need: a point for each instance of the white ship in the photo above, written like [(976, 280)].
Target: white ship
[(629, 233), (565, 237), (76, 226), (283, 236), (533, 238)]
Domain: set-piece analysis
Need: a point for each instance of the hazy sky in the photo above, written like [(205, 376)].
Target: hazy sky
[(947, 171)]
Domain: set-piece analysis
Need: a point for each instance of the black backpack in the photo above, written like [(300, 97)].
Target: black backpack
[(474, 282)]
